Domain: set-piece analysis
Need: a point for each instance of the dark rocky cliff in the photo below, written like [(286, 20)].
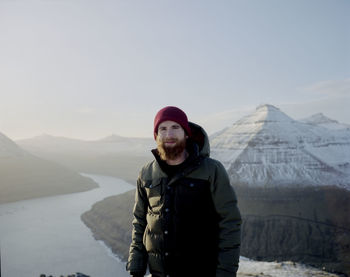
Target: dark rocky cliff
[(309, 225)]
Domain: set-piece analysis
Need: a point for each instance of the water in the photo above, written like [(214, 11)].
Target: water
[(47, 236)]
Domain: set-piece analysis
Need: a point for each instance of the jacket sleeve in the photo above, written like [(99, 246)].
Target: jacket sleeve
[(137, 261), (225, 202)]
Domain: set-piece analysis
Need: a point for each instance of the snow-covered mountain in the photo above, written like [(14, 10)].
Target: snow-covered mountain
[(320, 119), (268, 148)]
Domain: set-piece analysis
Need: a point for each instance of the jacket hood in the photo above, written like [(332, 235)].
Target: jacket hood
[(200, 137)]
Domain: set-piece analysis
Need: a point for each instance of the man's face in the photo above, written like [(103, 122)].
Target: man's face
[(171, 140)]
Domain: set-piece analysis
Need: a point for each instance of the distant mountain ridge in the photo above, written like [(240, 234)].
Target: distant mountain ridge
[(268, 148), (107, 145), (112, 155)]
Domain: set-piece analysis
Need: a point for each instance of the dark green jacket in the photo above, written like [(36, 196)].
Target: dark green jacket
[(187, 225)]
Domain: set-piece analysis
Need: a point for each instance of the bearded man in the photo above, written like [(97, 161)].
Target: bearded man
[(186, 220)]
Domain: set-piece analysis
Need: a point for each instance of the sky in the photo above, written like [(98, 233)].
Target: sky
[(88, 69)]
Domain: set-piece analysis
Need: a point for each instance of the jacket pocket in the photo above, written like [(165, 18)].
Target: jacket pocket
[(154, 192), (193, 191)]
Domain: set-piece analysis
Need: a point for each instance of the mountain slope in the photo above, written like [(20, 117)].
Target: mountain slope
[(9, 149), (24, 176)]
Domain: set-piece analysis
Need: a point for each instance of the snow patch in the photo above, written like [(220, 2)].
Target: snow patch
[(249, 267)]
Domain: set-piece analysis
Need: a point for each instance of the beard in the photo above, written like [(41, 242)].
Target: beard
[(171, 152)]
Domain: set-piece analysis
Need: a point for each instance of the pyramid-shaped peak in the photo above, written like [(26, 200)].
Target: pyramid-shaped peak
[(267, 113)]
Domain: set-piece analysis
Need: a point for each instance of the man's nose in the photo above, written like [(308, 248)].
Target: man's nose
[(169, 133)]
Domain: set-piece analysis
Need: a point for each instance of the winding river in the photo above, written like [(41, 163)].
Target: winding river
[(47, 236)]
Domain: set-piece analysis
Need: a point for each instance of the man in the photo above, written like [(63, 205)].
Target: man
[(186, 220)]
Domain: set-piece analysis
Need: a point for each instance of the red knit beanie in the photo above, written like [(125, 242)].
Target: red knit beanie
[(174, 114)]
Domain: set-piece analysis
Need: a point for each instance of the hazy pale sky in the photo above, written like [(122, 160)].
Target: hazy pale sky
[(87, 69)]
